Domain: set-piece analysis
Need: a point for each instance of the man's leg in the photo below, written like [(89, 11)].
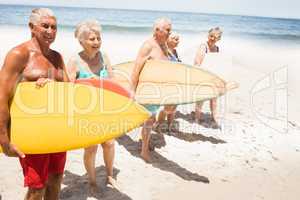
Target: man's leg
[(146, 134), (35, 170), (35, 194), (57, 163), (53, 187)]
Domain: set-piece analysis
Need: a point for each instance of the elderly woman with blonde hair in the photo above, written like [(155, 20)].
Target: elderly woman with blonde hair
[(214, 35), (93, 63), (169, 110)]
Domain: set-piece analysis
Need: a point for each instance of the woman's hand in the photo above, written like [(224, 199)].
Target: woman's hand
[(132, 94), (41, 82)]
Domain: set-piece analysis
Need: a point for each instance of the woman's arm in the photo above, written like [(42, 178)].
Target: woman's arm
[(200, 55), (71, 69), (108, 65)]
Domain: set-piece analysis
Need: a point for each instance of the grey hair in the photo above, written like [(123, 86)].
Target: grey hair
[(160, 21), (217, 32), (38, 13), (85, 27)]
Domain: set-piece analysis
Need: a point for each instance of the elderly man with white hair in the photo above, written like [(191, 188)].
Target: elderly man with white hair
[(153, 48), (33, 60)]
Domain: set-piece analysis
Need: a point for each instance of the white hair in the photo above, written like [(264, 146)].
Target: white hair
[(85, 27), (161, 21), (38, 13)]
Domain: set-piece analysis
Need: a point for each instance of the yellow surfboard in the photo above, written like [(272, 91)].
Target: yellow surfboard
[(66, 116), (165, 82)]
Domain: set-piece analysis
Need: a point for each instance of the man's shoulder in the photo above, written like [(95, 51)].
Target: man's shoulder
[(56, 54), (17, 57), (57, 58), (20, 51)]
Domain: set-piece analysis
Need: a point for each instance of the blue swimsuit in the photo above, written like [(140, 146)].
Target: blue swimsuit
[(84, 73)]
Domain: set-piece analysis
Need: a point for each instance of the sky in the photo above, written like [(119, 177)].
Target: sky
[(266, 8)]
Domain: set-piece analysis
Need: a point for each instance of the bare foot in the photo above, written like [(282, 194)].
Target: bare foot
[(112, 182), (173, 127), (200, 121), (94, 190), (214, 124), (146, 157)]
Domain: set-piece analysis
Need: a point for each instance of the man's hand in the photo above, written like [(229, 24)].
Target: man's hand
[(12, 151), (41, 82)]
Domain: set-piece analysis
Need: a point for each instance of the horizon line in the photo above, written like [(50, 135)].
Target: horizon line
[(151, 10)]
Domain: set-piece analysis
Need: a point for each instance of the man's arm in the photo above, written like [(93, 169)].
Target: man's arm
[(66, 78), (200, 55), (10, 75), (142, 57)]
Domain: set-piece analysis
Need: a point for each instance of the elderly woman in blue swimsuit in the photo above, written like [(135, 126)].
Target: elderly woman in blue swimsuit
[(92, 63)]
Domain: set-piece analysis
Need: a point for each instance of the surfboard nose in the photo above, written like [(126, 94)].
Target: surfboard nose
[(65, 116)]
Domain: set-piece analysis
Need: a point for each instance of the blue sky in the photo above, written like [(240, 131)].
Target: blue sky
[(269, 8)]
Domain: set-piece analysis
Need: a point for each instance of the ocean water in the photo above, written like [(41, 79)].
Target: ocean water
[(140, 21), (252, 48)]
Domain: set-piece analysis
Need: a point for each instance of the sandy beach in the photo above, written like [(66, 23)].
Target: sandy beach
[(255, 155)]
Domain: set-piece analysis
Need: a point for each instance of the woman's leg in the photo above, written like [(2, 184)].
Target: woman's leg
[(89, 159)]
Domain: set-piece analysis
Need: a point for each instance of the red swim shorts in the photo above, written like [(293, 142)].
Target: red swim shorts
[(37, 167)]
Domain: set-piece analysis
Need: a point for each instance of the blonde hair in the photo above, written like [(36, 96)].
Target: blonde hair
[(38, 13), (85, 27), (217, 32), (160, 21)]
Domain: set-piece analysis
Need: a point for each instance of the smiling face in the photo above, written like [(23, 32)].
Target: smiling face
[(162, 32), (91, 42), (214, 35), (45, 30), (212, 38)]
